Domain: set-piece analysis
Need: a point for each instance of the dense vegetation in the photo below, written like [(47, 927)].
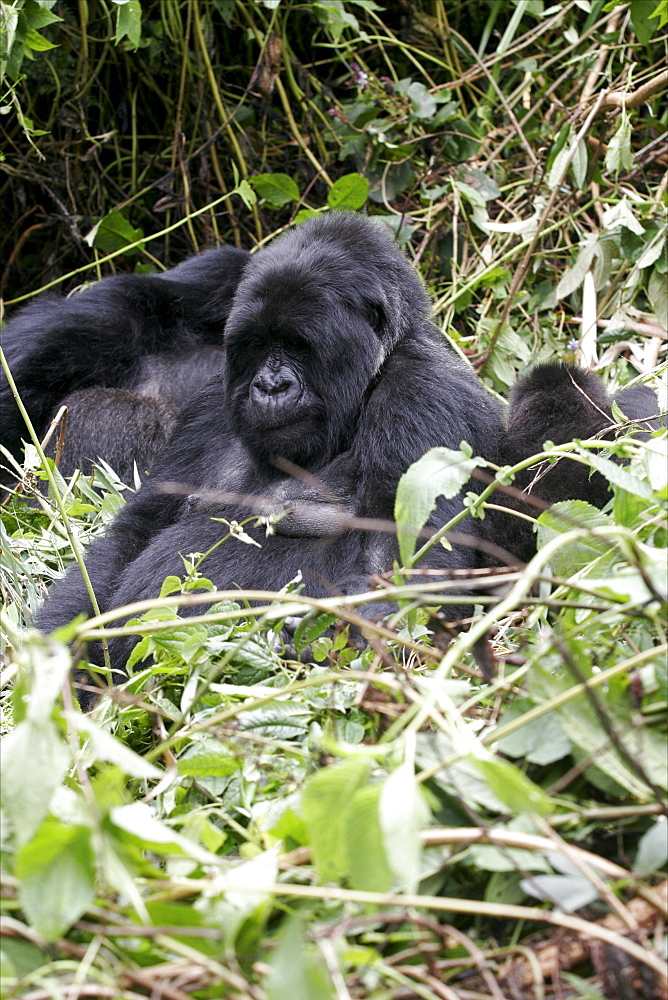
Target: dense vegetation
[(382, 823)]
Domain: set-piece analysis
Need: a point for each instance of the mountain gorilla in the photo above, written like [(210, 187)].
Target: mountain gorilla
[(333, 366), (124, 355)]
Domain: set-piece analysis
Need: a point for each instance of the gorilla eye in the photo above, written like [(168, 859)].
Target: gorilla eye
[(293, 343)]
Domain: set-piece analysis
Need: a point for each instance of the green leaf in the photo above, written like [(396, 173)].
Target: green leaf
[(579, 164), (311, 627), (298, 970), (658, 296), (103, 746), (573, 277), (209, 758), (32, 764), (568, 892), (56, 872), (36, 42), (325, 801), (138, 821), (641, 13), (128, 22), (617, 474), (423, 103), (403, 813), (276, 189), (441, 472), (348, 193), (652, 849), (114, 232), (38, 15), (619, 155), (590, 739), (366, 859), (512, 787), (563, 517), (661, 13), (542, 741)]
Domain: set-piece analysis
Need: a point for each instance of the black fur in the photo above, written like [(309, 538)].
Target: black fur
[(333, 365), (558, 403), (125, 355)]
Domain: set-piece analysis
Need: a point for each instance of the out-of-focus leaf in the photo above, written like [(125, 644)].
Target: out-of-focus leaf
[(325, 800), (56, 869)]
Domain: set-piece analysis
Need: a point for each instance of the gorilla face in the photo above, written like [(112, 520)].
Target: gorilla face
[(303, 351)]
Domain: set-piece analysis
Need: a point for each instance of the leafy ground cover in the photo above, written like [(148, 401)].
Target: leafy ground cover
[(385, 822)]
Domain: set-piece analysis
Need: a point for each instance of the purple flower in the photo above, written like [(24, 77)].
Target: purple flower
[(359, 76)]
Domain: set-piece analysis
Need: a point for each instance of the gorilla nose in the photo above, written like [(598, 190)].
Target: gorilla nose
[(271, 384)]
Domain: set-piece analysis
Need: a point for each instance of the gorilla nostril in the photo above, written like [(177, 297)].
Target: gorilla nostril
[(272, 384)]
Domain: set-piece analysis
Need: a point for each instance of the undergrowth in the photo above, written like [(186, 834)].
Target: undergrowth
[(267, 814)]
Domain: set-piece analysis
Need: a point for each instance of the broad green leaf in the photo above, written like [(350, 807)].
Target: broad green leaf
[(660, 12), (641, 12), (512, 787), (298, 970), (441, 472), (325, 800), (208, 757), (128, 22), (424, 103), (310, 628), (365, 852), (542, 741), (276, 189), (39, 16), (621, 215), (36, 42), (563, 147), (32, 765), (19, 958), (652, 252), (348, 193), (114, 232), (403, 813), (568, 892), (579, 164), (278, 720), (50, 663), (590, 739), (56, 872), (139, 821), (617, 474)]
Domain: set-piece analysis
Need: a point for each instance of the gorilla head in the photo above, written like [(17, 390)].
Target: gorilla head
[(316, 316)]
